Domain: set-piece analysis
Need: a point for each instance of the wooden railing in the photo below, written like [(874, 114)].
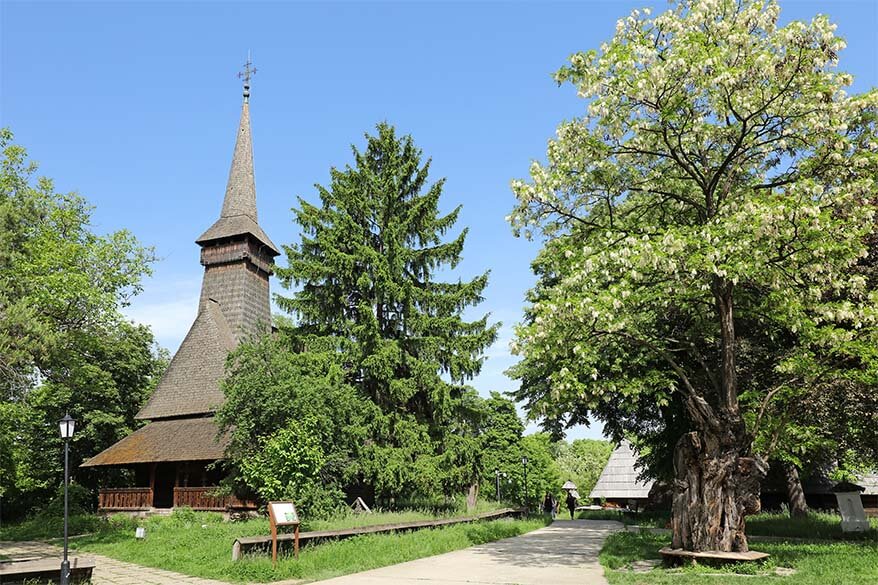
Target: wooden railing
[(125, 498), (203, 498)]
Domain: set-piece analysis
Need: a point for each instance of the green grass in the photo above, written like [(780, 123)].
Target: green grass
[(46, 526), (200, 544), (826, 563), (657, 519), (43, 527), (816, 525)]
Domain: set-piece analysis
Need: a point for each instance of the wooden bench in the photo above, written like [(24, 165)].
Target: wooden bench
[(44, 570), (676, 556), (247, 544)]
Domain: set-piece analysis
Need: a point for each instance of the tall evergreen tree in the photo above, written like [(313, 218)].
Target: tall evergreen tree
[(365, 277)]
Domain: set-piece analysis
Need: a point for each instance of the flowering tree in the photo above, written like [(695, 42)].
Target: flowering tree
[(720, 173)]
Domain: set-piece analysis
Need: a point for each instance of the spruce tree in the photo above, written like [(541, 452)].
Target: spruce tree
[(365, 279)]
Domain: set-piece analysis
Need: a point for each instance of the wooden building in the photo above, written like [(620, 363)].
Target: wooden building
[(618, 484), (171, 455)]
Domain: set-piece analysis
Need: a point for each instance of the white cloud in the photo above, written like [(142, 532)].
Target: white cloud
[(168, 307)]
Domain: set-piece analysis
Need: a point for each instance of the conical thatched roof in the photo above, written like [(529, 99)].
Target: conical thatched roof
[(619, 478)]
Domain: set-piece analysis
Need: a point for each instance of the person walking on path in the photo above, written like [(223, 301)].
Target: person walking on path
[(549, 505), (571, 503)]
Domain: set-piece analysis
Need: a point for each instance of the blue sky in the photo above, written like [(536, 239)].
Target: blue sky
[(135, 106)]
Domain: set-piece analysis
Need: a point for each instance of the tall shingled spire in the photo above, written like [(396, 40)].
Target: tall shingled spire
[(241, 188), (238, 215), (238, 257)]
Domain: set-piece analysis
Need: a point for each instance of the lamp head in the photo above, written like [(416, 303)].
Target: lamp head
[(66, 425)]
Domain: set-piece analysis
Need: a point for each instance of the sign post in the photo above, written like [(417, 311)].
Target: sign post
[(283, 514)]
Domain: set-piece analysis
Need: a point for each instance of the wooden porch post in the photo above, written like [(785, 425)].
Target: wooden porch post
[(152, 467)]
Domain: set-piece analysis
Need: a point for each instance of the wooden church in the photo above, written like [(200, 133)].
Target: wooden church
[(172, 453)]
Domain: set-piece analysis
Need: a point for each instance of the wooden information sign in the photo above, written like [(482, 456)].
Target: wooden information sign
[(283, 514)]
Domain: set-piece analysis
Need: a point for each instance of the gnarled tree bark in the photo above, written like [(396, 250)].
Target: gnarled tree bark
[(717, 478), (715, 488)]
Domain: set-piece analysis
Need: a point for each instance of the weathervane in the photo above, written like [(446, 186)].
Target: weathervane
[(245, 75)]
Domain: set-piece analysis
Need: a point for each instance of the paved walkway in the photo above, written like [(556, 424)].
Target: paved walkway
[(107, 571), (565, 553)]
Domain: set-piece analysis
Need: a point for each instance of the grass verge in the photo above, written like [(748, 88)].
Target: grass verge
[(44, 526), (47, 526), (815, 526), (829, 563), (199, 544)]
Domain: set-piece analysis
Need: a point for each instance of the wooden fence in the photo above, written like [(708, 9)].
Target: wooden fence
[(125, 499)]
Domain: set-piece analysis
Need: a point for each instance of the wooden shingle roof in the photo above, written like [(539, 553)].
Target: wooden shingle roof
[(619, 478), (236, 225), (188, 439), (238, 215), (191, 384)]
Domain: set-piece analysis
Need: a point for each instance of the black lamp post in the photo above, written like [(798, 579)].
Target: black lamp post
[(524, 464), (66, 424), (498, 474)]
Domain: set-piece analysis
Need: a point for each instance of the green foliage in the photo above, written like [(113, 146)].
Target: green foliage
[(79, 502), (295, 405), (818, 525), (501, 448), (376, 331), (287, 466), (717, 192), (64, 345), (542, 472), (45, 527), (366, 267), (582, 462)]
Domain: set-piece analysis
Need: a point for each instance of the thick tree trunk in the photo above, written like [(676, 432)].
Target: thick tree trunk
[(717, 480), (714, 489), (795, 493)]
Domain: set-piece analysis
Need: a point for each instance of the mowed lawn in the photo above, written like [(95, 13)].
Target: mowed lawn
[(200, 544), (813, 562)]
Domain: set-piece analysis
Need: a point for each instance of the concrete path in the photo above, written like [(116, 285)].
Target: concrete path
[(565, 553)]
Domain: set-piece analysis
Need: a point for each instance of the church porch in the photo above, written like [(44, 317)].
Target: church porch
[(172, 461), (168, 485)]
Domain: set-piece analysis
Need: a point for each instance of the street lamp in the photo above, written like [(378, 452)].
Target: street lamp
[(524, 464), (498, 474), (66, 425)]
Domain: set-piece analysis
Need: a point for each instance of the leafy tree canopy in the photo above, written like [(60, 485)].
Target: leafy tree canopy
[(721, 182), (375, 331), (366, 268), (64, 345)]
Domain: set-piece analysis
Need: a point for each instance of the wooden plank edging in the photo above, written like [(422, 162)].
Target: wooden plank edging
[(243, 545)]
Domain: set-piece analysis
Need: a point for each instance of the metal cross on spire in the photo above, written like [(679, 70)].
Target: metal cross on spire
[(245, 75)]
